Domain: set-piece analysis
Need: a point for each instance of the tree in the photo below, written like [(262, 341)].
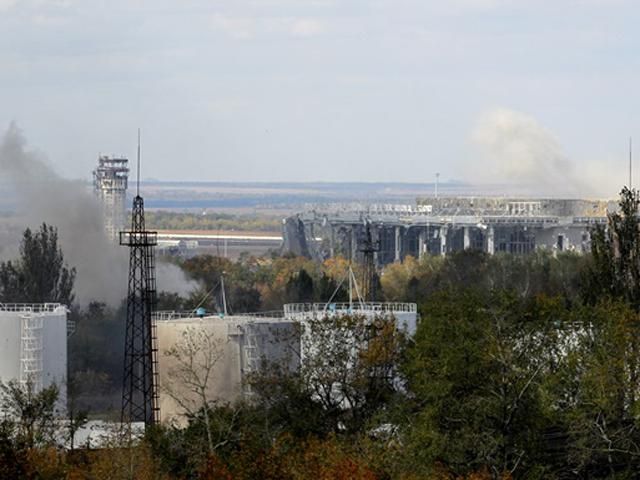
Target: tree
[(31, 411), (96, 356), (78, 417), (476, 372), (40, 275), (396, 277), (615, 250), (239, 280), (599, 391), (326, 288), (348, 373), (299, 287), (193, 360)]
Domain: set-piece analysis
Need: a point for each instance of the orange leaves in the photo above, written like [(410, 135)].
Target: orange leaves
[(336, 268), (214, 469), (384, 344), (327, 460), (45, 463)]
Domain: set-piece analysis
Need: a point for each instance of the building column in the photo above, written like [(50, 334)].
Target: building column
[(466, 239), (443, 240), (490, 241), (375, 237), (421, 241), (354, 243), (398, 245), (332, 241)]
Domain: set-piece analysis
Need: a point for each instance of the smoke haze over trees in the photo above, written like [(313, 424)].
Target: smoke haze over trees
[(43, 196)]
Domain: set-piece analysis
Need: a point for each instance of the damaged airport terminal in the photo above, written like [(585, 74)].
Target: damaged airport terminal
[(442, 225)]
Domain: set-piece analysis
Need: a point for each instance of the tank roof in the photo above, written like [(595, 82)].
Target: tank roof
[(30, 307), (191, 316), (353, 307)]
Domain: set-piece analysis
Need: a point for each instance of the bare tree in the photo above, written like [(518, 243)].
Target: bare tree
[(78, 417), (194, 358)]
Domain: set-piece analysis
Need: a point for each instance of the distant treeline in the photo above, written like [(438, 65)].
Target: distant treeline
[(165, 220)]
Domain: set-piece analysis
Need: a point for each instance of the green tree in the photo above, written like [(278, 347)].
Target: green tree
[(598, 391), (299, 287), (31, 411), (476, 372), (96, 356), (40, 274), (239, 279), (349, 371), (615, 251)]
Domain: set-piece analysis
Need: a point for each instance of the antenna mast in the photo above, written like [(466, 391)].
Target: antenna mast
[(630, 162), (138, 179)]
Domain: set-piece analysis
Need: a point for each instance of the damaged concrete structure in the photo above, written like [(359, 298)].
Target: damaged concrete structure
[(438, 226)]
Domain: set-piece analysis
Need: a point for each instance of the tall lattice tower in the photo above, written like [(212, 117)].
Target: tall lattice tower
[(110, 185), (140, 394), (370, 276)]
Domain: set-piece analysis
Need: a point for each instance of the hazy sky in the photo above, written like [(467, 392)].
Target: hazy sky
[(377, 90)]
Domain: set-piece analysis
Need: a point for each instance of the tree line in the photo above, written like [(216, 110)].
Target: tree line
[(166, 220)]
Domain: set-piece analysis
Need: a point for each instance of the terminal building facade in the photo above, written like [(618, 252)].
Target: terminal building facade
[(439, 226)]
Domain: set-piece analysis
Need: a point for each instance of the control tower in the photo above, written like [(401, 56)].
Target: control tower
[(110, 185)]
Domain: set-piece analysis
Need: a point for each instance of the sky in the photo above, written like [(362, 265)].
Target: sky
[(326, 90)]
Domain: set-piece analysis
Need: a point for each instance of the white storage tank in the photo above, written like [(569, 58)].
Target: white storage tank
[(317, 335), (238, 344), (404, 315), (33, 345)]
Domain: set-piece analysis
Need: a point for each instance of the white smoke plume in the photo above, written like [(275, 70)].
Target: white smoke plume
[(43, 196), (171, 278), (519, 151)]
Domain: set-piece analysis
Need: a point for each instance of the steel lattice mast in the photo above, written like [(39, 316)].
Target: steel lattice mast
[(370, 280), (140, 395)]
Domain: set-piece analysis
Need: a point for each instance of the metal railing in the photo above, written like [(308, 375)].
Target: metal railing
[(266, 314), (292, 309), (168, 315), (30, 307)]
